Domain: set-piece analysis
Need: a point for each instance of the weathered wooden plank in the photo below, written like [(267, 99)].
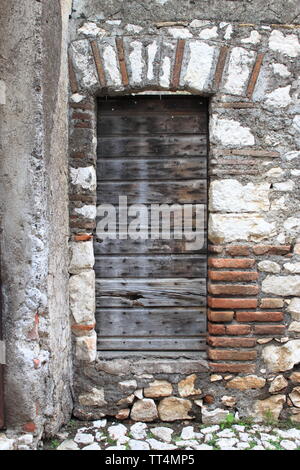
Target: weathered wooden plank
[(153, 104), (156, 218), (194, 355), (144, 146), (151, 344), (153, 192), (136, 322), (157, 169), (151, 124), (110, 246), (176, 266), (150, 292)]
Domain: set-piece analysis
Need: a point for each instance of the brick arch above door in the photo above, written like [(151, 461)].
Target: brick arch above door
[(127, 65)]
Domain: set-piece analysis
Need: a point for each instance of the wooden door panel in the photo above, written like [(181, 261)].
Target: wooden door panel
[(154, 192), (150, 266), (122, 343), (178, 292), (150, 321), (151, 293), (119, 169), (154, 105), (119, 125), (115, 247), (144, 146)]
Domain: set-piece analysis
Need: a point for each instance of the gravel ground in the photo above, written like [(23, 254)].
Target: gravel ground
[(109, 435)]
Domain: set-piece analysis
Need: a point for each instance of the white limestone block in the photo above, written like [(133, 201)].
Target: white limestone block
[(82, 296), (225, 228), (279, 98), (287, 45), (82, 256), (239, 70), (282, 285), (111, 65), (84, 63), (229, 132), (230, 195), (84, 178), (198, 73)]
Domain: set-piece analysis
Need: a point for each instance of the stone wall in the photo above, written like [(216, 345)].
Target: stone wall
[(251, 74), (146, 12), (34, 207)]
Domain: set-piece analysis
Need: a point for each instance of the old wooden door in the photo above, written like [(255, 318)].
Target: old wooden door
[(151, 293)]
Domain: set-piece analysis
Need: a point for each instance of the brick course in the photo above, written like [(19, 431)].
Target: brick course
[(225, 316), (228, 289), (231, 263), (225, 342), (231, 355), (259, 316), (231, 303), (232, 276)]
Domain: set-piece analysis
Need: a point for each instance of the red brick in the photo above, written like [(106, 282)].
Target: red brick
[(259, 316), (225, 342), (229, 289), (247, 368), (83, 125), (231, 355), (78, 155), (98, 64), (79, 327), (208, 399), (83, 225), (29, 427), (232, 275), (122, 62), (82, 116), (215, 248), (254, 75), (82, 105), (236, 330), (178, 63), (269, 329), (236, 105), (231, 303), (36, 363), (220, 66), (250, 152), (214, 329), (280, 249), (231, 263), (271, 303), (235, 162), (272, 249), (229, 171), (86, 198), (82, 237), (224, 316), (238, 250)]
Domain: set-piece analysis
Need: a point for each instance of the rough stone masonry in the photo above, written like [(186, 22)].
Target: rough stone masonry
[(250, 72), (244, 56)]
